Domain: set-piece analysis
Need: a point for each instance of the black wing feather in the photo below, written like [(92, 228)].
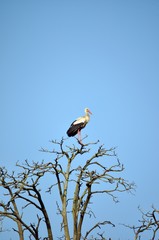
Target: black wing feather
[(74, 128)]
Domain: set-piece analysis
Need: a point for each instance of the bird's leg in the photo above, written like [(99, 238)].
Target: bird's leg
[(79, 137)]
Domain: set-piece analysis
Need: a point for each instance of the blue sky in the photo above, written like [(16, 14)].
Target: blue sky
[(58, 57)]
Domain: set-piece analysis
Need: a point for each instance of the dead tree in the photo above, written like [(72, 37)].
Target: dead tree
[(89, 169), (149, 223)]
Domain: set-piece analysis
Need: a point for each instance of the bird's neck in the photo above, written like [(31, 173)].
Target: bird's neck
[(87, 117)]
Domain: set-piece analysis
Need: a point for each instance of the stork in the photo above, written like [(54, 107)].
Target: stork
[(79, 124)]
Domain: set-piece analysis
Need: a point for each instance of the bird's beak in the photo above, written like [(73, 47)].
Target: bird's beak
[(89, 111)]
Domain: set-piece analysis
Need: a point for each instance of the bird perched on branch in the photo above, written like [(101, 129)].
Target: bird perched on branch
[(79, 124)]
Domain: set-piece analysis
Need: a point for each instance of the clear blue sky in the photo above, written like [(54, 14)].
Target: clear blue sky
[(58, 57)]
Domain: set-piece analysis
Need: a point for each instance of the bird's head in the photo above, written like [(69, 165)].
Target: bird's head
[(87, 110)]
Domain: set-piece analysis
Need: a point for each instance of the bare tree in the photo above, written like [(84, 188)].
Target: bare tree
[(149, 222), (90, 169)]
